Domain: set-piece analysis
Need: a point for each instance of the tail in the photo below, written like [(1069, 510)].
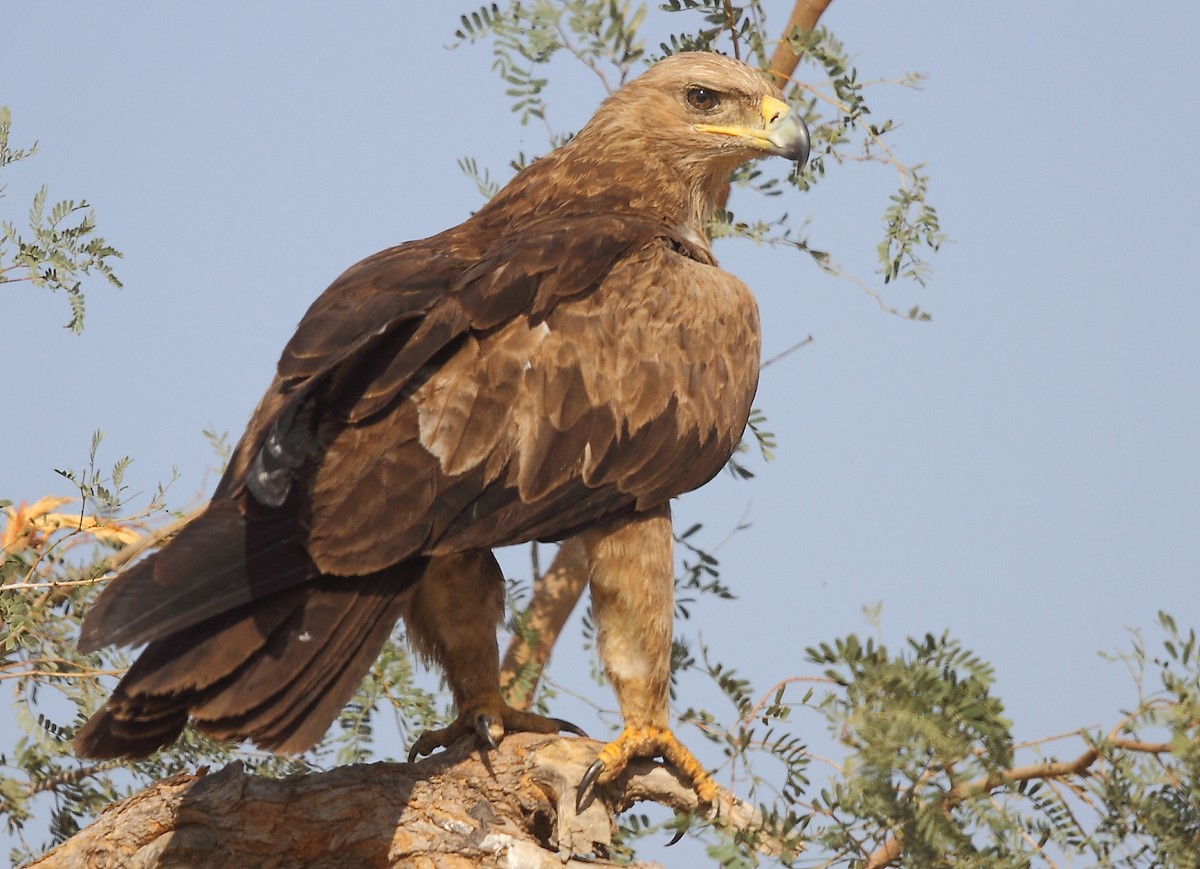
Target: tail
[(219, 561), (246, 638)]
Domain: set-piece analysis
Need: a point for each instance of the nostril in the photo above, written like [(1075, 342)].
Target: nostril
[(773, 111)]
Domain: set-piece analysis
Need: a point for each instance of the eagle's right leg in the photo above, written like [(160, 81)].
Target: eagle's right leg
[(451, 619), (632, 576)]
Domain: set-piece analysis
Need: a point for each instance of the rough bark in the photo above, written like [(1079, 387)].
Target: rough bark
[(512, 808)]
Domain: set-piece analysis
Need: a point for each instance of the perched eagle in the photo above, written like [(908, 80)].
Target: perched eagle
[(563, 363)]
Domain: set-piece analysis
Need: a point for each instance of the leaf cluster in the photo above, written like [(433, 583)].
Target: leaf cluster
[(62, 246), (917, 724), (1148, 794), (57, 553), (526, 36), (931, 776), (742, 25), (911, 224)]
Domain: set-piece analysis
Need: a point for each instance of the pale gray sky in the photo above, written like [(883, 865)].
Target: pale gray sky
[(1023, 470)]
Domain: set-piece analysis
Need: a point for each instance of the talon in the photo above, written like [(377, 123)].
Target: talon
[(483, 729), (427, 742), (568, 727), (650, 741), (487, 718), (585, 783), (675, 839)]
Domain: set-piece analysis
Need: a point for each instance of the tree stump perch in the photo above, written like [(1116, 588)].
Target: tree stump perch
[(512, 808)]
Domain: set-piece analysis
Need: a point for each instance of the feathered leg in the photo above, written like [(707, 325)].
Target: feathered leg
[(451, 620), (632, 574)]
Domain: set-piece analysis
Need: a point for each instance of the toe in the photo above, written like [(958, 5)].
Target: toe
[(515, 720), (567, 727), (429, 742), (488, 719), (647, 741)]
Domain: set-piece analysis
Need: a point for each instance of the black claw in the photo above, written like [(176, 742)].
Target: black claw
[(675, 839), (483, 725), (569, 727), (585, 784)]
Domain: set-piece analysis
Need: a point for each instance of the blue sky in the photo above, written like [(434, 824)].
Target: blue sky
[(1022, 471)]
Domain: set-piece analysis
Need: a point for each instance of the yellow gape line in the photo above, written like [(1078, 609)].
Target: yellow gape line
[(782, 133)]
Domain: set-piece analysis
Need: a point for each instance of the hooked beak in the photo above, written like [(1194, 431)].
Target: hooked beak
[(783, 132)]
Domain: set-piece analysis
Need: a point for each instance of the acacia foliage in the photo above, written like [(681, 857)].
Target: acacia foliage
[(59, 248), (929, 774)]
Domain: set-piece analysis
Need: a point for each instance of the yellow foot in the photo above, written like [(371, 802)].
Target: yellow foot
[(488, 719), (646, 741)]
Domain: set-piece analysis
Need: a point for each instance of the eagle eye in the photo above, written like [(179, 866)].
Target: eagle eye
[(702, 99)]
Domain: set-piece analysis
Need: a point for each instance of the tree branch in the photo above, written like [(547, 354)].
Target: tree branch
[(554, 596), (805, 15), (461, 808), (1081, 766)]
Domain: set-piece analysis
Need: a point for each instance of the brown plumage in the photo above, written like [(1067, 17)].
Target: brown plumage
[(564, 362)]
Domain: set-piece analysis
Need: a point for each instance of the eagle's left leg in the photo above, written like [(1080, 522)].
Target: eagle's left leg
[(451, 619), (632, 575)]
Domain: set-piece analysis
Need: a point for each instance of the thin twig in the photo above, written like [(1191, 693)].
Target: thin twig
[(789, 351), (731, 22)]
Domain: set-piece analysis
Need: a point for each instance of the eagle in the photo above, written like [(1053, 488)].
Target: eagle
[(562, 363)]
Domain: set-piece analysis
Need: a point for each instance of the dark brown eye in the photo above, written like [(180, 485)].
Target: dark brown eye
[(702, 99)]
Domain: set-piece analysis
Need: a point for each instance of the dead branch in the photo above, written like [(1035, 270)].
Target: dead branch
[(514, 806)]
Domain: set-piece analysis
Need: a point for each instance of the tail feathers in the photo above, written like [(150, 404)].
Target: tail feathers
[(105, 735), (276, 671), (287, 696), (217, 563), (202, 657)]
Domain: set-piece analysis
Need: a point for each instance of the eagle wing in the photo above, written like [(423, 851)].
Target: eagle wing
[(566, 396), (439, 399)]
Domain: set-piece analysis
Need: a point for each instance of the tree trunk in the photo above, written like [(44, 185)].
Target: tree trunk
[(512, 808)]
